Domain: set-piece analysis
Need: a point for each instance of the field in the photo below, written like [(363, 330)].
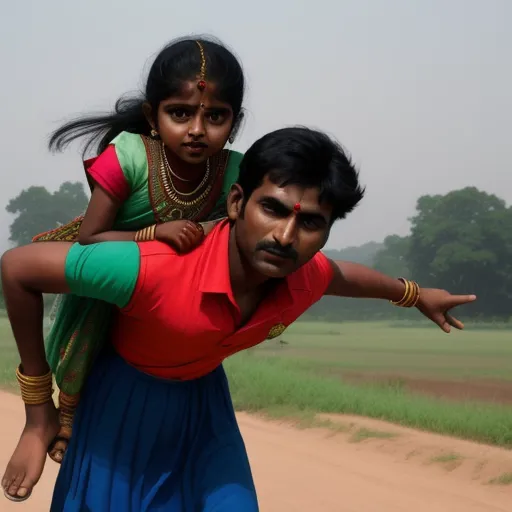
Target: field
[(414, 375), (458, 384)]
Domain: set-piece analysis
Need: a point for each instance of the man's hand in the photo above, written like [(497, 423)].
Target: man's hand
[(436, 304)]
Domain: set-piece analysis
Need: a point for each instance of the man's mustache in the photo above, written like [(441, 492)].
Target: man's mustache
[(275, 248)]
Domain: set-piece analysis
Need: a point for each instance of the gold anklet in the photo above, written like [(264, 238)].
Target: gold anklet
[(35, 390)]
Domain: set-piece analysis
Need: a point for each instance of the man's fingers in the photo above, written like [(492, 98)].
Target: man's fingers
[(454, 322), (440, 320), (459, 300)]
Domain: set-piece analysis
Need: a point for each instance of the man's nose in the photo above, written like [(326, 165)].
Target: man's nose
[(286, 232)]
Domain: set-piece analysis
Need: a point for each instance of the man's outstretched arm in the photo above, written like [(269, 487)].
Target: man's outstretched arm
[(358, 281)]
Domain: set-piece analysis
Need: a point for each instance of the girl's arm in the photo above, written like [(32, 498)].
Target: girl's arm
[(99, 219)]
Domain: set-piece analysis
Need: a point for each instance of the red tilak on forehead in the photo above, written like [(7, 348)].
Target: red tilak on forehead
[(296, 207)]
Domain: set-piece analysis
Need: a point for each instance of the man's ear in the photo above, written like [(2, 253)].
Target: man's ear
[(235, 202)]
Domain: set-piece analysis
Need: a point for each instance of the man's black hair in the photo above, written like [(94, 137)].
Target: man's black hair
[(304, 157)]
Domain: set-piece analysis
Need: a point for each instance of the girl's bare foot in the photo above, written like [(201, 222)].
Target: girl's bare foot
[(27, 462)]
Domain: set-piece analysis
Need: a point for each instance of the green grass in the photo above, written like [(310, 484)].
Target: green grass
[(446, 458), (503, 479), (364, 433), (417, 351), (303, 419), (258, 383)]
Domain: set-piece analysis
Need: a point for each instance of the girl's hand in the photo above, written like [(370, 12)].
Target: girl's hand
[(181, 235)]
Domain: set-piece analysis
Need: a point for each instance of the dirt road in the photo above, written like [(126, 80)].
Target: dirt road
[(316, 469)]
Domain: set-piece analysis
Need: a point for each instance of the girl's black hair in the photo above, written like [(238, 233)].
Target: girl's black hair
[(178, 62)]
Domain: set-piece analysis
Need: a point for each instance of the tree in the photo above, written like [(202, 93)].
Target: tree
[(392, 258), (37, 210), (364, 254), (463, 241)]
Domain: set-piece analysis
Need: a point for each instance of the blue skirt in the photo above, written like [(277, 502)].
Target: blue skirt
[(145, 444)]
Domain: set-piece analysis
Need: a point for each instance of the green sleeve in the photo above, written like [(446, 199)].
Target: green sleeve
[(133, 159), (107, 271)]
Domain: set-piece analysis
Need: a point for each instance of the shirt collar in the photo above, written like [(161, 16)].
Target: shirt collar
[(215, 276)]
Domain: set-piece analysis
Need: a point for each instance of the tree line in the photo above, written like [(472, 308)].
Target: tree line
[(461, 240)]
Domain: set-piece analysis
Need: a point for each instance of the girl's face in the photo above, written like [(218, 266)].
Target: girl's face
[(194, 125)]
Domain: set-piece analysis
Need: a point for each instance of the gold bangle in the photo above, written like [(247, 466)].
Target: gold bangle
[(35, 390), (146, 234), (411, 295), (417, 298), (409, 290), (406, 294)]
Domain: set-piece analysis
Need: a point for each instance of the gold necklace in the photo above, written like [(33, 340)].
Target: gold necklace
[(170, 173), (174, 195), (169, 166), (181, 208)]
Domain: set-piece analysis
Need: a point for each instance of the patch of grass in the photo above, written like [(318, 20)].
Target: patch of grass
[(446, 458), (258, 383), (306, 418), (364, 433), (503, 479)]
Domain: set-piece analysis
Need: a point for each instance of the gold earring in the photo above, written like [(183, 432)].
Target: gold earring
[(154, 133)]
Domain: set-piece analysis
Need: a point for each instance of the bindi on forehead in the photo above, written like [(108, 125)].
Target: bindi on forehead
[(294, 199), (189, 90)]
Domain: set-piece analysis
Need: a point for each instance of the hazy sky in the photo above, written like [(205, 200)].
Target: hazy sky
[(419, 92)]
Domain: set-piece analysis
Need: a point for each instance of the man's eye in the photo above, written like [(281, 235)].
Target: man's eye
[(267, 208), (310, 224)]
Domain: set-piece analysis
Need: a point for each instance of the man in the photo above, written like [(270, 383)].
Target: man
[(156, 429)]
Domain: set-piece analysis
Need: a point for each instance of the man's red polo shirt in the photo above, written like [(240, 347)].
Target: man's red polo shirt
[(180, 322)]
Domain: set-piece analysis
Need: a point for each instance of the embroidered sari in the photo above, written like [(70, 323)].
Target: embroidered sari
[(132, 170)]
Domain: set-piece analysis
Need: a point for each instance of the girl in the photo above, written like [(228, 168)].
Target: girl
[(161, 170)]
